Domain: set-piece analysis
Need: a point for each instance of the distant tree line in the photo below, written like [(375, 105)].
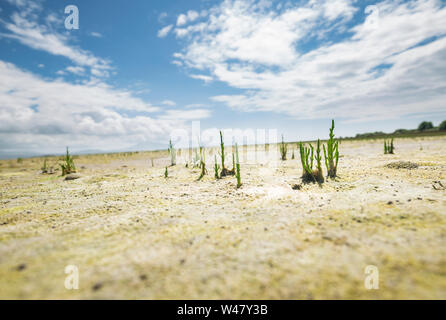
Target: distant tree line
[(425, 126)]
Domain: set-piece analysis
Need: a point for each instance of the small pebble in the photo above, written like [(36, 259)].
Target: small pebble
[(21, 267), (97, 286)]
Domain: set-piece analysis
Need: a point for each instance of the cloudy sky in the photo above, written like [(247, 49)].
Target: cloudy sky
[(136, 71)]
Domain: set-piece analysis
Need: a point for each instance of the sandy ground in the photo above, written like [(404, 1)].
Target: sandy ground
[(134, 234)]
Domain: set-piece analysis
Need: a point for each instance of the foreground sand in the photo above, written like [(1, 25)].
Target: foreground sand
[(134, 234)]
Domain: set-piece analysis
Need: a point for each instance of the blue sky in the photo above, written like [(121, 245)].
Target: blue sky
[(134, 72)]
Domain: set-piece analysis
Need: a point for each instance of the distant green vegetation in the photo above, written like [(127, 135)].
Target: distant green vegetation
[(425, 128), (425, 125)]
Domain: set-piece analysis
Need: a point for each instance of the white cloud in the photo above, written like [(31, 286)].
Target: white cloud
[(334, 9), (186, 18), (376, 71), (76, 70), (201, 77), (192, 15), (43, 116), (182, 20), (23, 27), (164, 31), (169, 103), (53, 19), (96, 34), (177, 63), (27, 7), (181, 32), (190, 114)]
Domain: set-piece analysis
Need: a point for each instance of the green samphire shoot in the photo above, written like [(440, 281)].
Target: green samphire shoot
[(283, 149), (173, 154), (331, 153), (237, 168), (68, 165)]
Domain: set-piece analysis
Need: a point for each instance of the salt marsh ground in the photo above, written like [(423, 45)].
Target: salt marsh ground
[(134, 234)]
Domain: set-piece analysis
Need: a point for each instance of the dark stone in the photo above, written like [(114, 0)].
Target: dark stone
[(97, 286), (72, 177), (21, 267)]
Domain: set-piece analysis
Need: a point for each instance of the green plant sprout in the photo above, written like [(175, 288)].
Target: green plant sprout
[(232, 171), (196, 161), (173, 154), (317, 174), (237, 168), (44, 167), (224, 172), (202, 162), (283, 149), (331, 154), (306, 158), (222, 152), (47, 169), (216, 168), (68, 166), (389, 147), (166, 173)]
